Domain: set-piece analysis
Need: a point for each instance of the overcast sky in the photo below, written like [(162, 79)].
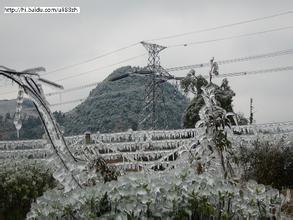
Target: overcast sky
[(54, 41)]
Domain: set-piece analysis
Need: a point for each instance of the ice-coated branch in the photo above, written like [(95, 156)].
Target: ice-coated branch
[(30, 82)]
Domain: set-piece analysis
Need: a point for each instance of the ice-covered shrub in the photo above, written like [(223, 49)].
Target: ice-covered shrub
[(21, 183), (215, 152), (180, 194)]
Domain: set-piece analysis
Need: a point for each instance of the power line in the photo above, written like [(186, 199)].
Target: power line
[(222, 26), (233, 60), (173, 36), (83, 73), (170, 36), (194, 66), (170, 46), (100, 68), (92, 59), (74, 89), (92, 97), (220, 62), (64, 91), (229, 38), (253, 72)]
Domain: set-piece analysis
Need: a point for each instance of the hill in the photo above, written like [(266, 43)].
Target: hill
[(116, 106)]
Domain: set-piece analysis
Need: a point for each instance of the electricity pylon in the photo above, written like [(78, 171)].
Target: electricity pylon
[(154, 99), (154, 95)]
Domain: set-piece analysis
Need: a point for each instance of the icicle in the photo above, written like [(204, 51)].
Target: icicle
[(17, 118)]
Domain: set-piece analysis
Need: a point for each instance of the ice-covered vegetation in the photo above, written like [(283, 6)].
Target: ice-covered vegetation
[(205, 184), (179, 194)]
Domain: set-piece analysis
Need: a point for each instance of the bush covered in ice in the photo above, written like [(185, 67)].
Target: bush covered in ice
[(177, 194)]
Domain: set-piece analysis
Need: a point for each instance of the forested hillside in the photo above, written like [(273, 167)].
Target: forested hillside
[(116, 106)]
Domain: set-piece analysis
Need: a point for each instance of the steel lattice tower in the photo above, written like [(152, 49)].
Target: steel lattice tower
[(154, 96)]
